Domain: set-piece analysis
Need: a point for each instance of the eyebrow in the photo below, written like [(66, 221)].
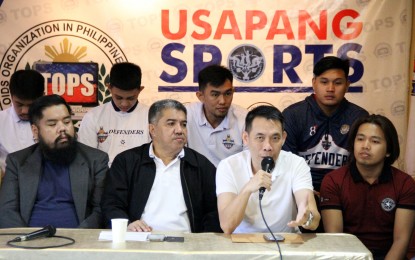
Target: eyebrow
[(373, 136), (54, 120), (217, 91), (273, 134), (117, 96), (325, 78), (175, 120)]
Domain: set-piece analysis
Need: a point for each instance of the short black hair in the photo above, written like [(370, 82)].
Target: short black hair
[(27, 84), (40, 104), (267, 112), (389, 131), (157, 108), (125, 76), (215, 75), (331, 62)]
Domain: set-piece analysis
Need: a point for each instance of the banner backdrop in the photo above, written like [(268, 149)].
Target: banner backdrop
[(270, 46)]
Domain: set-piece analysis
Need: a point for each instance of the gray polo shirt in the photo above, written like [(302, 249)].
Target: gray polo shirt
[(221, 142)]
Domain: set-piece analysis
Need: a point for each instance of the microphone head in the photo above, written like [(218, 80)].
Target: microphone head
[(267, 164), (51, 230)]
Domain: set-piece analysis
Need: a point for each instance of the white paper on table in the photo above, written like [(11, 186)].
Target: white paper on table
[(129, 236)]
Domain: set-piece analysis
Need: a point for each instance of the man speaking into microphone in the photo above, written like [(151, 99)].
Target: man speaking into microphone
[(279, 180)]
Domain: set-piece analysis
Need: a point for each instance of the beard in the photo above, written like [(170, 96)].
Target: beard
[(59, 154)]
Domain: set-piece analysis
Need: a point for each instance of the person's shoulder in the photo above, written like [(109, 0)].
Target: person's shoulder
[(5, 114), (191, 107), (194, 113), (237, 158), (352, 107), (135, 151), (5, 119), (289, 156), (91, 151), (400, 174), (23, 154), (194, 157), (96, 111), (5, 111), (142, 106), (338, 173), (140, 112), (297, 107), (238, 111)]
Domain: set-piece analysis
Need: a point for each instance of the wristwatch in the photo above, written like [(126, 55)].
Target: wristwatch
[(309, 220)]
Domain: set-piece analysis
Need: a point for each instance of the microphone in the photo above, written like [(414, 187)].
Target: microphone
[(267, 165), (47, 231)]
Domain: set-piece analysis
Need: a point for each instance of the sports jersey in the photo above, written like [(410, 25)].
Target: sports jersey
[(290, 174), (320, 139), (113, 131), (215, 143), (15, 134), (368, 209)]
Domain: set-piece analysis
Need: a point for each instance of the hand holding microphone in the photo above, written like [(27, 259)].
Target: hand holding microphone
[(267, 165)]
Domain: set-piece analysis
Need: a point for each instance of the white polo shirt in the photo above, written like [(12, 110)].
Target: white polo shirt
[(15, 134), (215, 143), (166, 209), (291, 173), (113, 131)]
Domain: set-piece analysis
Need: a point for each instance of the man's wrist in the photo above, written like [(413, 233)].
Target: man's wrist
[(309, 220)]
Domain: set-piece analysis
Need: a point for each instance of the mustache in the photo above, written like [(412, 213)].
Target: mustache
[(65, 135)]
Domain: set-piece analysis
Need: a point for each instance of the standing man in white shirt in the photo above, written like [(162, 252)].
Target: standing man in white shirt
[(215, 125), (15, 131), (288, 201), (121, 124)]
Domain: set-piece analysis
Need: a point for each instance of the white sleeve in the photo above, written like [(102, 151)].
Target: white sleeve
[(302, 175), (225, 182), (87, 134)]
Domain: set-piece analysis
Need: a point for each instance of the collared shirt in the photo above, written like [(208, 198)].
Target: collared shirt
[(15, 134), (166, 209), (291, 174), (114, 132), (215, 143), (384, 177), (368, 210)]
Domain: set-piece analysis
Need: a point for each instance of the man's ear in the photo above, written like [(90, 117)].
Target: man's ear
[(245, 137), (151, 130), (35, 132), (313, 83), (109, 88), (200, 96), (284, 136), (348, 84)]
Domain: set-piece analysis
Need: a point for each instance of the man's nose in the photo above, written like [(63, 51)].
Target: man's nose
[(366, 144), (178, 129), (330, 87), (61, 127), (267, 145), (25, 109)]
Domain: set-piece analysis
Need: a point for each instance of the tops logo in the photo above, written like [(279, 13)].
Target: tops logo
[(246, 62), (82, 82)]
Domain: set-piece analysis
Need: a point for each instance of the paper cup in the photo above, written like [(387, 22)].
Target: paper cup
[(119, 229)]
